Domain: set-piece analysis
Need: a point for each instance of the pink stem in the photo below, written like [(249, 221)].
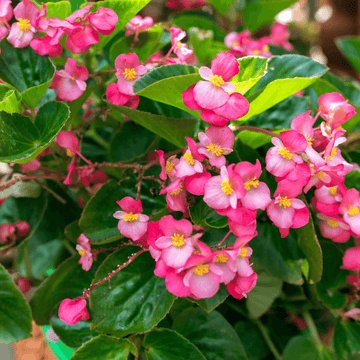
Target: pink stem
[(224, 238)]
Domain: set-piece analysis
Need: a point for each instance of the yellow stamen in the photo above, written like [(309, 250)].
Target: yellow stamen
[(235, 43), (285, 153), (222, 258), (129, 74), (256, 52), (178, 45), (309, 140), (333, 190), (178, 191), (285, 202), (68, 152), (169, 167), (254, 182), (24, 24), (243, 252), (354, 210), (82, 252), (332, 223), (320, 175), (130, 217), (189, 159), (265, 48), (178, 240), (333, 153), (201, 270), (217, 150), (226, 187), (216, 80)]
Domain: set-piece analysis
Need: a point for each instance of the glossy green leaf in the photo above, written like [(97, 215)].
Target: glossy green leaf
[(286, 75), (15, 315), (258, 13), (166, 344), (309, 244), (68, 281), (30, 73), (10, 100), (125, 9), (260, 299), (300, 348), (105, 348), (21, 140), (210, 333), (59, 9), (256, 139), (210, 304), (222, 6), (346, 338), (137, 299), (281, 257), (350, 48)]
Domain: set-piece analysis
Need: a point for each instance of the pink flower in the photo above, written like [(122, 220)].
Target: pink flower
[(132, 223), (167, 168), (334, 228), (223, 260), (138, 23), (6, 13), (180, 49), (237, 42), (72, 311), (115, 96), (279, 35), (258, 48), (84, 249), (215, 143), (240, 286), (70, 83), (104, 20), (23, 284), (7, 233), (353, 313), (351, 259), (69, 141), (176, 197), (22, 228), (179, 5), (128, 71), (350, 209)]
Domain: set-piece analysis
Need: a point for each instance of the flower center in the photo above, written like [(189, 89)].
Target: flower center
[(216, 80), (235, 43), (332, 223), (201, 270), (169, 167), (243, 252), (130, 217), (129, 74), (333, 190), (189, 159), (68, 152), (333, 153), (320, 175), (178, 191), (256, 52), (217, 150), (285, 153), (178, 45), (285, 202), (309, 140), (354, 210), (24, 24), (254, 182), (178, 240), (226, 187), (82, 252), (222, 258), (265, 48)]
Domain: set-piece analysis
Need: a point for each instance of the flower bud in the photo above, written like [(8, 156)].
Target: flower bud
[(6, 232), (22, 229), (23, 285), (72, 311)]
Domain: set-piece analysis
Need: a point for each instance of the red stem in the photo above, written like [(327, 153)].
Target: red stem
[(224, 238), (27, 177)]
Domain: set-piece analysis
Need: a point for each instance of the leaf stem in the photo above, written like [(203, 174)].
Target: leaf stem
[(313, 329)]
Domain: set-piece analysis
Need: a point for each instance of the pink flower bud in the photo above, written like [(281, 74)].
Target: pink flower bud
[(72, 311), (23, 285), (22, 229), (6, 232), (351, 259)]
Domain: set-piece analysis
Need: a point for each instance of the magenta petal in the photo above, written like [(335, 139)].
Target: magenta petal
[(294, 141), (195, 184), (225, 65), (114, 95), (208, 96), (68, 140), (212, 118), (236, 107), (188, 98), (205, 286), (281, 217), (128, 204), (71, 311), (175, 284)]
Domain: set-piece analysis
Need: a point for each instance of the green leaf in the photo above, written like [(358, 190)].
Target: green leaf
[(281, 257), (10, 100), (125, 148), (171, 129), (67, 281), (125, 9), (21, 140), (346, 338), (300, 348), (72, 335), (309, 244), (258, 13), (260, 299), (104, 348), (15, 315), (165, 344), (210, 333), (286, 75), (60, 9), (147, 44), (137, 299), (27, 71), (350, 48), (210, 304), (222, 6)]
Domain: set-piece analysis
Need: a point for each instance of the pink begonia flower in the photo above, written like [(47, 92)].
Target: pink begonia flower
[(240, 286), (195, 184), (69, 141), (215, 143), (286, 211), (335, 109), (84, 249), (223, 260), (114, 95), (300, 176), (175, 283), (257, 193), (132, 223), (190, 162), (353, 280), (241, 259), (7, 232), (224, 190), (258, 48), (6, 13), (70, 83), (334, 228), (180, 49), (351, 259), (179, 5), (167, 169), (330, 195), (22, 32), (177, 244), (128, 70), (104, 20), (349, 207), (279, 35), (176, 197), (23, 284), (281, 159), (237, 42), (22, 228), (353, 313), (43, 46), (31, 166), (138, 23), (72, 311)]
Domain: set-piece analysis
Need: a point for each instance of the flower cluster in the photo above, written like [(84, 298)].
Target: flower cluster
[(179, 5), (9, 233)]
